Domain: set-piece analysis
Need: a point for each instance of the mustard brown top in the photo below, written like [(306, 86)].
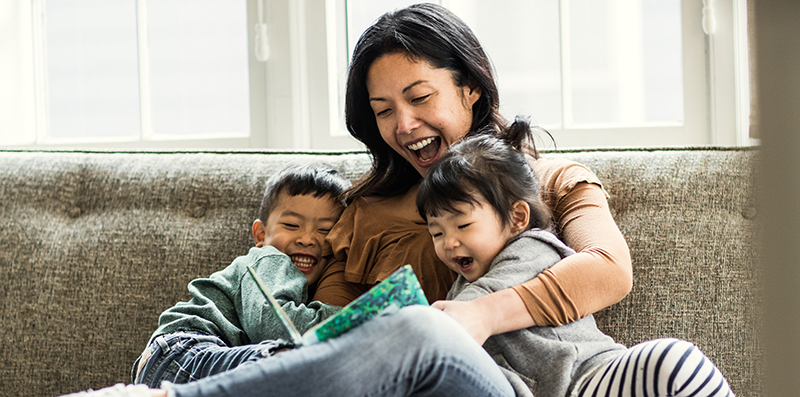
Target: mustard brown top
[(375, 236)]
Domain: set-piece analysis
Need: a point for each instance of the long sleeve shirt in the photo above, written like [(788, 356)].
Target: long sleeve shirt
[(375, 236), (229, 305)]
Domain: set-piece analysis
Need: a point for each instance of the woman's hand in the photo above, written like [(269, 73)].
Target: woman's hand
[(492, 314), (471, 315)]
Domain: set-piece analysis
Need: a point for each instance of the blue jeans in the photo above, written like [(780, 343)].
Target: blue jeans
[(417, 351), (185, 357)]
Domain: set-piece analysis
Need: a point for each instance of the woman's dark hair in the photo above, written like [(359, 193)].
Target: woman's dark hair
[(493, 167), (315, 179), (425, 32)]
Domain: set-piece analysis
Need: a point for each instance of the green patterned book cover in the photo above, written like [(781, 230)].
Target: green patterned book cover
[(400, 289)]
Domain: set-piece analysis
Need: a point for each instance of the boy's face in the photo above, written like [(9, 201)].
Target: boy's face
[(467, 241), (297, 226)]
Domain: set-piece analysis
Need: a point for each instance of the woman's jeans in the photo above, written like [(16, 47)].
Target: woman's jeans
[(417, 351)]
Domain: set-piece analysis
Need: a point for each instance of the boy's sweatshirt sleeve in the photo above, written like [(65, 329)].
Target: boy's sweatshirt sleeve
[(290, 288), (229, 304)]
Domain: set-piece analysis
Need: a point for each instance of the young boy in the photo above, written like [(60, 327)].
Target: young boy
[(227, 322), (483, 212)]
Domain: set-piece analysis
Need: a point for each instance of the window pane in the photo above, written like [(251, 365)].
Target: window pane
[(92, 70), (198, 66), (362, 13), (521, 38), (17, 117), (625, 62), (620, 61)]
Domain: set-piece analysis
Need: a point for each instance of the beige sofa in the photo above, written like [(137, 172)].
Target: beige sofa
[(94, 245)]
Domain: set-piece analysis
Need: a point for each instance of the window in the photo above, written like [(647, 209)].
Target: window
[(595, 73), (126, 71), (607, 72)]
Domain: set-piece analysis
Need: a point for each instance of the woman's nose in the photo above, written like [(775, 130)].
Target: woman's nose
[(406, 121)]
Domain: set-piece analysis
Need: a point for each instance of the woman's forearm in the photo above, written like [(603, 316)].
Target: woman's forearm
[(597, 276)]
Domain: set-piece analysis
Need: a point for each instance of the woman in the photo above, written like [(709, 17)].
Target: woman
[(425, 78), (419, 81)]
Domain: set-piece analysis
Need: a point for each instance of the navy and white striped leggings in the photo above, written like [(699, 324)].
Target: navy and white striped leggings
[(660, 367)]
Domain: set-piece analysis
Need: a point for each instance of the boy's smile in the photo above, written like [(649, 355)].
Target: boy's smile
[(297, 226)]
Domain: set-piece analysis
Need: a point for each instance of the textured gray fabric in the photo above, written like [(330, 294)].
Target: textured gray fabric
[(94, 246)]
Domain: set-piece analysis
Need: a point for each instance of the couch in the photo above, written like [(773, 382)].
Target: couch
[(94, 245)]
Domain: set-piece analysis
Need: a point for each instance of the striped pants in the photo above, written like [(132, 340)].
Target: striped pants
[(661, 367)]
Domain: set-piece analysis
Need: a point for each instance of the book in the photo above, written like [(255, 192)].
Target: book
[(400, 289)]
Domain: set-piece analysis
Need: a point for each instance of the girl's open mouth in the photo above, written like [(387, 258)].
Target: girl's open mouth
[(465, 263)]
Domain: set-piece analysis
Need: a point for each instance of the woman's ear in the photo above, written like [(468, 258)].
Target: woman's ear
[(259, 233), (471, 93), (520, 216)]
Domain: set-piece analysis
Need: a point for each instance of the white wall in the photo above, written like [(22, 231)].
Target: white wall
[(778, 81)]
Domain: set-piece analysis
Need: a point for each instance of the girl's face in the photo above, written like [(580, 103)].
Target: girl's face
[(468, 240), (419, 109)]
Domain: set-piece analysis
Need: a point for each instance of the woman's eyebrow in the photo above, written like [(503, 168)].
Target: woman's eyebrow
[(405, 90), (412, 85)]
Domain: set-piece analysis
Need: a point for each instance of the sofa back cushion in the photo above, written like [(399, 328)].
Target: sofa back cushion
[(94, 246)]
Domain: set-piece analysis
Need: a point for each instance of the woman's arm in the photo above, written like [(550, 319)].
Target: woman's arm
[(598, 276)]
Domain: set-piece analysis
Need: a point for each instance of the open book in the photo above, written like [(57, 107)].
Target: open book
[(400, 289)]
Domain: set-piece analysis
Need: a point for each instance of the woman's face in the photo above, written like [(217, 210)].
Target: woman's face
[(419, 109)]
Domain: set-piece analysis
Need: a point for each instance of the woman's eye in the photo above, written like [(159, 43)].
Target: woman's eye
[(420, 99), (384, 112)]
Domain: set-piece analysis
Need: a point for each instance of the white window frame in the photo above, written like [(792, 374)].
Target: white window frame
[(716, 86), (146, 139), (296, 95)]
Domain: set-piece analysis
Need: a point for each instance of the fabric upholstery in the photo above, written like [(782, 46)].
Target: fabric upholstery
[(95, 245)]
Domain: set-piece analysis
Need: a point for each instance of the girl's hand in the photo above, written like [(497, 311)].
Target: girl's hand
[(471, 315)]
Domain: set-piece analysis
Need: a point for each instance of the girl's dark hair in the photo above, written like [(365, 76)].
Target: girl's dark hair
[(493, 167), (425, 32), (315, 179)]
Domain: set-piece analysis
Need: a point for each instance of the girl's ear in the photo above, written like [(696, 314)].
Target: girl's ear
[(259, 233), (520, 216)]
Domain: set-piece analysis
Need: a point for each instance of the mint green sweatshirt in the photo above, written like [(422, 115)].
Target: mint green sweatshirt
[(229, 305)]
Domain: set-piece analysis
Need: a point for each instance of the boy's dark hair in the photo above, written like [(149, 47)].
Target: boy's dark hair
[(494, 167), (300, 179)]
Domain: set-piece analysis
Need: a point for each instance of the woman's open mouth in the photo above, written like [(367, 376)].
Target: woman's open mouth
[(425, 150)]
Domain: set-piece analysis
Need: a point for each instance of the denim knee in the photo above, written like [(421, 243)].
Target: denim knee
[(433, 330)]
